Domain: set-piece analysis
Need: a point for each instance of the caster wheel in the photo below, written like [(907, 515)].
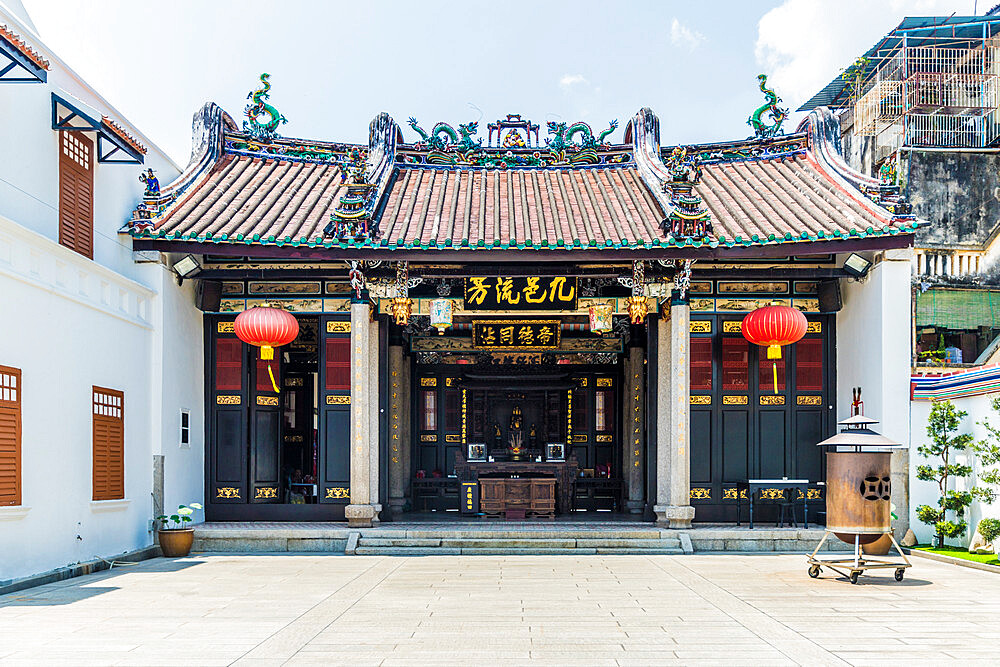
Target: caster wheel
[(899, 574), (814, 571), (854, 576)]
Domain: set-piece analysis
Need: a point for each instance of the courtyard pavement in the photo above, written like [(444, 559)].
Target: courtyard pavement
[(288, 609)]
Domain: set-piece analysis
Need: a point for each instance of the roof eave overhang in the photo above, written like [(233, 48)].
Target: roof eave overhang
[(768, 251)]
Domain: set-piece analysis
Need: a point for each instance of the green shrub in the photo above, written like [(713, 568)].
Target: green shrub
[(989, 529)]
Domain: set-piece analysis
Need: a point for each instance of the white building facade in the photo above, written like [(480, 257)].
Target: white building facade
[(82, 321)]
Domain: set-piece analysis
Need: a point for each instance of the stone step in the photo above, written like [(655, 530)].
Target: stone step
[(406, 551), (524, 534), (399, 542), (539, 542)]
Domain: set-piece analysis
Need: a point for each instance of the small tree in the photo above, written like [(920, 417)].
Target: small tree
[(942, 425), (988, 453)]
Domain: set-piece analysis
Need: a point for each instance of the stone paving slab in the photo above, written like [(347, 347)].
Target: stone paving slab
[(307, 609)]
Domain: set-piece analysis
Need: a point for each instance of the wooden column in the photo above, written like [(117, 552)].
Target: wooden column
[(673, 454), (364, 508)]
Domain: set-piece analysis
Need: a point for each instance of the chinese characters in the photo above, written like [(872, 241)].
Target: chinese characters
[(515, 335), (520, 293)]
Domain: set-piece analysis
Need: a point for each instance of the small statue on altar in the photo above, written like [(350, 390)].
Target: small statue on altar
[(515, 434), (532, 438)]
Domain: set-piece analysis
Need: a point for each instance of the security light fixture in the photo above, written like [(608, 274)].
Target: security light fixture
[(186, 267), (856, 265)]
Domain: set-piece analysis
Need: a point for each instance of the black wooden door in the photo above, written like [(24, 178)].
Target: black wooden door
[(334, 456), (265, 427), (741, 427), (227, 386)]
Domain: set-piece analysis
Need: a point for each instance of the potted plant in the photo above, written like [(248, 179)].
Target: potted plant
[(175, 538)]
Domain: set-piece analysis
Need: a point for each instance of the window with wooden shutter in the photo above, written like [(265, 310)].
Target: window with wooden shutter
[(10, 436), (109, 444), (76, 193)]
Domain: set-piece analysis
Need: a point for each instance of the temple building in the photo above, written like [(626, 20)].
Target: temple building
[(561, 306)]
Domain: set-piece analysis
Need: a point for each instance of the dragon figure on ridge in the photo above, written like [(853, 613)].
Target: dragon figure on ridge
[(770, 107), (258, 108)]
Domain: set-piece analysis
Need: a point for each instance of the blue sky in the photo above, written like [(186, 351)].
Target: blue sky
[(334, 65)]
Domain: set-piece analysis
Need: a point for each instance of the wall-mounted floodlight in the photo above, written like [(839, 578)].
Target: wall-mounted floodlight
[(187, 266), (856, 265)]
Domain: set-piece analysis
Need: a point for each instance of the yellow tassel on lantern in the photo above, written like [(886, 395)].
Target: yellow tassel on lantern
[(266, 352), (774, 352)]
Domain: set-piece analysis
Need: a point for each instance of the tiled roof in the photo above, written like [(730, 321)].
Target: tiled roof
[(244, 198), (520, 208), (121, 132), (22, 47), (790, 190)]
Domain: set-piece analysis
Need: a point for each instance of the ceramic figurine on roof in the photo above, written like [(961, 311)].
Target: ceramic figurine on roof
[(514, 125), (688, 218), (349, 218), (770, 107), (151, 182), (460, 141), (253, 126), (563, 135)]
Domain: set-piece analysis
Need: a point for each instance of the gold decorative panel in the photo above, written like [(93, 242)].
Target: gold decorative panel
[(701, 400), (603, 382), (450, 382), (582, 382), (701, 493), (338, 492), (232, 288), (232, 305), (730, 494), (772, 400), (701, 305), (294, 382), (291, 305), (338, 400), (227, 492), (805, 287), (814, 327), (752, 287), (227, 400), (284, 288), (701, 326), (452, 438), (428, 382), (732, 327), (579, 437), (266, 492), (226, 327), (267, 400), (294, 438), (428, 437), (338, 327), (746, 305), (809, 400), (807, 305), (604, 438), (698, 287), (734, 400), (772, 494)]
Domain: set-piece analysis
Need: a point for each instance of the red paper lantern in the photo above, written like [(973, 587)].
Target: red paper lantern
[(774, 326), (267, 328)]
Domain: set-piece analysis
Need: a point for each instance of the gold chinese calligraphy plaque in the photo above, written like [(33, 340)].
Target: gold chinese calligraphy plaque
[(520, 293), (516, 334)]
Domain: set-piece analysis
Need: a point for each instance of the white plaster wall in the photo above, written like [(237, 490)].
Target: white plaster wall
[(69, 323), (926, 493), (29, 161), (873, 352)]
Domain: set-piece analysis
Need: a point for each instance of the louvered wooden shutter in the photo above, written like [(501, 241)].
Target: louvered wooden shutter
[(109, 444), (10, 436), (76, 193)]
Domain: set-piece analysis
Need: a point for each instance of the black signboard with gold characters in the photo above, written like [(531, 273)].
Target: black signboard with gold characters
[(520, 293), (515, 334)]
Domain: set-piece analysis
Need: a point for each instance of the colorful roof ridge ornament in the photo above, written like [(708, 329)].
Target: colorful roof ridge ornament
[(514, 125), (689, 218), (153, 204), (771, 108), (262, 131), (887, 193), (350, 216)]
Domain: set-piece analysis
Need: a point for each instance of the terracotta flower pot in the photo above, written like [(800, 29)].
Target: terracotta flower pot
[(879, 547), (177, 542)]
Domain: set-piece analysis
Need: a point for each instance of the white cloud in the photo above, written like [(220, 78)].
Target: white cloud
[(569, 80), (684, 37), (803, 44)]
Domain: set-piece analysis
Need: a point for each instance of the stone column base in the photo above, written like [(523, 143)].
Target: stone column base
[(362, 516), (396, 506), (674, 516)]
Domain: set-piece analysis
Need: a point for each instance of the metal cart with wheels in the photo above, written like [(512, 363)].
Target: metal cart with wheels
[(853, 568)]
